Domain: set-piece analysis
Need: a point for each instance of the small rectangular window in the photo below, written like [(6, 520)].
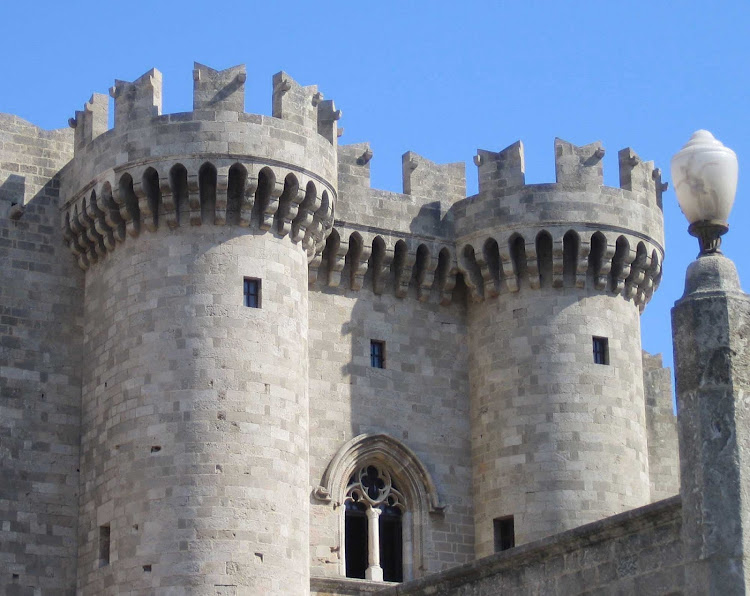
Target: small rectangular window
[(601, 350), (104, 538), (377, 354), (252, 292), (505, 534)]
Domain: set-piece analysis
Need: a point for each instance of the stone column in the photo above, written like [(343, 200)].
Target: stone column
[(711, 329), (374, 571)]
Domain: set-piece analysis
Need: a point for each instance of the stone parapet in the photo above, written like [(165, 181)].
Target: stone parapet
[(216, 165), (637, 552), (568, 234)]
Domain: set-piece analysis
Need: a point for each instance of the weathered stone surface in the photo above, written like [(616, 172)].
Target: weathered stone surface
[(661, 425), (638, 552), (210, 431), (41, 316), (711, 325)]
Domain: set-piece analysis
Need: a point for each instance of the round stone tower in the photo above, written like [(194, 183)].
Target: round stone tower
[(557, 276), (195, 231)]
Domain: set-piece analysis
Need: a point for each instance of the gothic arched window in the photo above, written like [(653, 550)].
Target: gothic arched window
[(385, 496), (373, 530)]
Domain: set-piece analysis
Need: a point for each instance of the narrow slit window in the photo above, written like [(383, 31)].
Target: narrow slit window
[(377, 354), (104, 545), (252, 292), (505, 534), (601, 350)]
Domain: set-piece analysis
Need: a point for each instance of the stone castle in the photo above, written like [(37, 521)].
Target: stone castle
[(230, 366)]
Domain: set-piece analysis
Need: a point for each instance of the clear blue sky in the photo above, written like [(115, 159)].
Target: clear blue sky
[(439, 78)]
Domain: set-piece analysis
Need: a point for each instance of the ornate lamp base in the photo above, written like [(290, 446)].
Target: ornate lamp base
[(709, 233)]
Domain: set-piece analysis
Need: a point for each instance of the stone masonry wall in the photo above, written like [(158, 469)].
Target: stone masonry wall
[(195, 416), (41, 292), (661, 425), (637, 552), (420, 399), (558, 441)]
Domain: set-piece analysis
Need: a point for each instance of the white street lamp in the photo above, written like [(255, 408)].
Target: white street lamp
[(704, 174)]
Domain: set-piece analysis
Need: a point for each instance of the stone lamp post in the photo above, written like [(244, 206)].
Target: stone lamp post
[(711, 333)]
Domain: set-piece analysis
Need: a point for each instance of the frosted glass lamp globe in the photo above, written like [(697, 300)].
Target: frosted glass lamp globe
[(704, 174)]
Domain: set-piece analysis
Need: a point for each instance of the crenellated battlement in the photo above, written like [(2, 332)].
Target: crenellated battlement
[(284, 174), (219, 90), (137, 100), (217, 94), (216, 165), (574, 232)]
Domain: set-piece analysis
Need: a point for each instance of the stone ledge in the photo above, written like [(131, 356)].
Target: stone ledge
[(623, 524), (335, 586)]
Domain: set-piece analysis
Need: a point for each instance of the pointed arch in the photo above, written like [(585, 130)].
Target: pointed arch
[(571, 249), (384, 449), (544, 257), (207, 182), (517, 249), (236, 184), (178, 181), (150, 182), (408, 472)]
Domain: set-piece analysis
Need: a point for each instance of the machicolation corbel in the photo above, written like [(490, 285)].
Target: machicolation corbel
[(365, 157)]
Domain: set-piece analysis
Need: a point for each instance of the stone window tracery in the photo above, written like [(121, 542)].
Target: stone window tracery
[(374, 550), (376, 481)]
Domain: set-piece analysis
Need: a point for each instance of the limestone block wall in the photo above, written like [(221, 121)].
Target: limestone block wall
[(41, 297), (195, 416), (420, 399), (558, 441), (637, 552), (661, 425), (195, 407)]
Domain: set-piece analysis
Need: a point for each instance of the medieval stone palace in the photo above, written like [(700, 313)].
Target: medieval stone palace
[(228, 366)]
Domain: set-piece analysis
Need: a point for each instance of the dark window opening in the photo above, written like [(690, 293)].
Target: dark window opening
[(601, 350), (252, 292), (377, 354), (505, 534), (391, 544), (104, 537), (355, 522)]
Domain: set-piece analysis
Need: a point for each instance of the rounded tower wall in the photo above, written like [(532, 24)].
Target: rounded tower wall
[(195, 439), (195, 404), (256, 139), (558, 440), (557, 275)]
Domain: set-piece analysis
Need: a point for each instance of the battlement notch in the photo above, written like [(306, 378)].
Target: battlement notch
[(293, 102), (90, 122), (506, 169), (579, 166), (440, 182), (139, 99), (354, 165), (219, 90)]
